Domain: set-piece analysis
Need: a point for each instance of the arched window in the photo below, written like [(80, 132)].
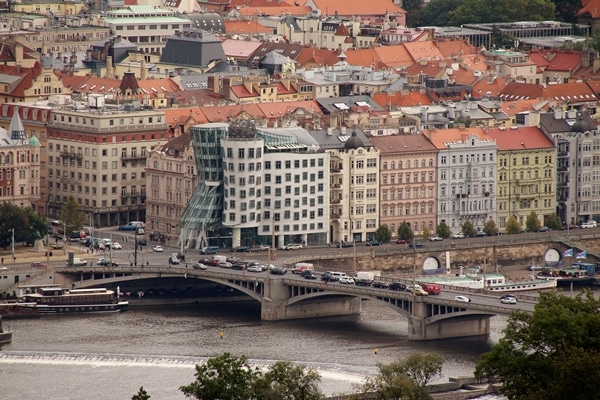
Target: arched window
[(385, 165), (393, 165)]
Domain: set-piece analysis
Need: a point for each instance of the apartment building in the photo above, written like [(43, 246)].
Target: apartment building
[(467, 165), (171, 180), (526, 179), (408, 182), (98, 155)]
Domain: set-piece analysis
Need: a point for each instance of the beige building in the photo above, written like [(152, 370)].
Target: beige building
[(171, 180), (58, 8), (98, 155), (408, 182)]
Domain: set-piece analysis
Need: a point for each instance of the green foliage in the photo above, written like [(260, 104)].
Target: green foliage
[(286, 381), (405, 231), (413, 12), (223, 378), (532, 223), (468, 229), (71, 216), (443, 230), (512, 226), (383, 234), (37, 226), (439, 12), (553, 354), (490, 228), (426, 233), (567, 10), (27, 224), (141, 395), (404, 379), (553, 222)]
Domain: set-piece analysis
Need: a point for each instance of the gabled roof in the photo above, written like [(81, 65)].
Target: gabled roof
[(342, 31), (455, 48), (285, 49), (356, 7), (226, 113), (240, 91), (570, 92), (402, 100), (363, 57), (259, 3), (556, 60), (521, 106), (181, 116), (314, 56), (423, 51), (240, 27), (520, 138), (278, 109), (442, 138), (521, 91), (589, 8), (240, 49), (273, 11), (178, 144), (395, 144), (489, 87), (394, 56)]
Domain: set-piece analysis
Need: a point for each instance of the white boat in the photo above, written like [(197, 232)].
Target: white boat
[(56, 300), (475, 279)]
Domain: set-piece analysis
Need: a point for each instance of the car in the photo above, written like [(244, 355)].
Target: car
[(209, 250), (343, 245), (419, 292), (402, 241), (278, 271), (436, 238), (544, 229), (462, 299), (116, 246), (225, 264), (380, 285), (410, 288), (480, 234), (173, 260), (458, 235), (331, 276), (254, 268), (128, 227), (158, 249), (589, 224), (38, 264), (507, 299), (374, 243), (105, 262), (141, 242), (416, 245), (199, 266), (240, 249), (259, 248), (397, 286), (293, 246), (347, 280), (308, 274)]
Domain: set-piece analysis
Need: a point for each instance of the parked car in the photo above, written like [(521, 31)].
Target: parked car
[(397, 286), (436, 238), (507, 299), (128, 227), (480, 234), (209, 250), (343, 245), (545, 229), (402, 241), (458, 235), (347, 280), (240, 249), (589, 224), (279, 271), (199, 266), (293, 246), (116, 246), (374, 243), (380, 285), (158, 249), (259, 248), (416, 245), (462, 299)]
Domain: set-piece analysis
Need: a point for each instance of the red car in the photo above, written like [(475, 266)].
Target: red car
[(402, 241)]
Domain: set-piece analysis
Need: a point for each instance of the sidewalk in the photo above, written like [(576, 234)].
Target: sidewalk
[(26, 255)]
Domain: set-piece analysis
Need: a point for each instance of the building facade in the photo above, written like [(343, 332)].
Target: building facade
[(526, 179), (466, 175), (99, 157), (408, 182)]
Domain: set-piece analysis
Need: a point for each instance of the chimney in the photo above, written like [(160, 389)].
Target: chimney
[(143, 72), (109, 68), (18, 53)]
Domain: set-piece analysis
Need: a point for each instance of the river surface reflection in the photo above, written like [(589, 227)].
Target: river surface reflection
[(110, 356)]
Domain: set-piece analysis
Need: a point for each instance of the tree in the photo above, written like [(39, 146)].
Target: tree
[(490, 228), (71, 216), (553, 354), (141, 395), (223, 378), (567, 9), (12, 217), (404, 379), (468, 229), (443, 230), (532, 223), (413, 12), (286, 381), (553, 221), (439, 12), (405, 232), (37, 226), (426, 233), (512, 226), (383, 234)]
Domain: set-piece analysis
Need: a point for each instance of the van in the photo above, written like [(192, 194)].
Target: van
[(301, 267), (209, 250), (220, 258), (78, 262)]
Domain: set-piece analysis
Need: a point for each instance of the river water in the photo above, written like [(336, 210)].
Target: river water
[(75, 357)]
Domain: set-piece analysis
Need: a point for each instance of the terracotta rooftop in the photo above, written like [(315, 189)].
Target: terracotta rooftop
[(355, 7), (393, 144), (402, 99), (250, 27), (520, 138), (442, 137)]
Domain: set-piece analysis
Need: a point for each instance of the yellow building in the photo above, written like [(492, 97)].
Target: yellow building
[(526, 176)]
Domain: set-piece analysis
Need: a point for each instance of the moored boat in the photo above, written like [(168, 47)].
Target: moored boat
[(14, 310), (576, 274), (5, 335), (53, 300)]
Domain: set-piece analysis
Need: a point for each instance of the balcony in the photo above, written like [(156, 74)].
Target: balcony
[(133, 157), (563, 168), (336, 186), (335, 201), (335, 170), (335, 215), (71, 155)]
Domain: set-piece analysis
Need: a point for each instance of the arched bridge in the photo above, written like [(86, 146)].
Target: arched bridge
[(290, 297)]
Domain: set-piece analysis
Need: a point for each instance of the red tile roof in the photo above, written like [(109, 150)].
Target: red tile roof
[(520, 138), (394, 56), (273, 11), (441, 137), (240, 27), (240, 91), (356, 7), (589, 8), (489, 88), (393, 144), (570, 92), (402, 100), (521, 91), (423, 51), (226, 113), (556, 60), (313, 57), (259, 3), (184, 116)]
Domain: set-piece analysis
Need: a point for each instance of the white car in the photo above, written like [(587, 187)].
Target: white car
[(458, 235), (436, 238), (462, 299), (254, 268), (589, 224), (117, 246), (158, 249), (508, 300), (348, 280), (293, 246), (199, 266)]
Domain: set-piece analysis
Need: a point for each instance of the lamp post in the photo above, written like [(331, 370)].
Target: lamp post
[(13, 243), (135, 247)]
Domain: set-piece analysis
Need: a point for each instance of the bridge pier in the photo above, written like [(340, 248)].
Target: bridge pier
[(422, 327), (315, 308)]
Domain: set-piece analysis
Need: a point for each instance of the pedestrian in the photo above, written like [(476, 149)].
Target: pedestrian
[(185, 265), (147, 263), (2, 260)]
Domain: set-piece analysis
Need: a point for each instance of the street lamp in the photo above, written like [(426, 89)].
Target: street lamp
[(13, 243), (135, 247)]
